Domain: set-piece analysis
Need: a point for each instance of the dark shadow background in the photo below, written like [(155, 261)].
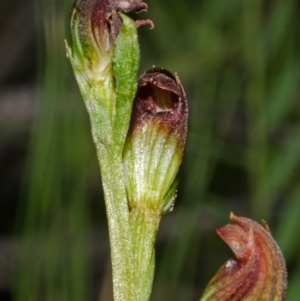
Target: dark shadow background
[(239, 63)]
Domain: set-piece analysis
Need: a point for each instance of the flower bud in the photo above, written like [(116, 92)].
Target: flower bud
[(259, 271), (105, 58), (95, 26), (156, 140)]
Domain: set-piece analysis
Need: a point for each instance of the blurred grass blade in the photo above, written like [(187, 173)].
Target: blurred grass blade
[(287, 232), (53, 217)]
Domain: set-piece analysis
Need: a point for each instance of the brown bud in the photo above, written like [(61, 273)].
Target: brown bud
[(103, 18), (105, 13), (161, 100), (259, 271), (96, 24)]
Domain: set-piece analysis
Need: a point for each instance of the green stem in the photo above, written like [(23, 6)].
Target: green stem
[(132, 235), (111, 166), (144, 223)]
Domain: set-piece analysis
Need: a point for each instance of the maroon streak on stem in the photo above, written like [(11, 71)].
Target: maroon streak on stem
[(259, 271)]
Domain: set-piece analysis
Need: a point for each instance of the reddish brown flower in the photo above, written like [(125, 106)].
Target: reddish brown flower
[(156, 139), (257, 274)]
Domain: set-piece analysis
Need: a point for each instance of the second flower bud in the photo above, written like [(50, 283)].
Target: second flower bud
[(155, 142)]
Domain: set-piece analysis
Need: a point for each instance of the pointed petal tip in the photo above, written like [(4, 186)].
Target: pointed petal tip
[(258, 272)]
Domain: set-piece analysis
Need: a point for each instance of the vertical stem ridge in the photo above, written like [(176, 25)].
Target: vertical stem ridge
[(144, 225), (118, 222)]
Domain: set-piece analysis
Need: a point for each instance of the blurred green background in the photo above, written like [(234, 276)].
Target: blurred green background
[(239, 61)]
